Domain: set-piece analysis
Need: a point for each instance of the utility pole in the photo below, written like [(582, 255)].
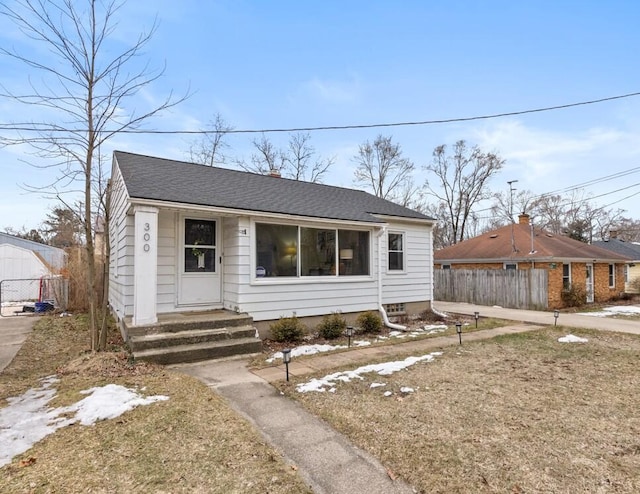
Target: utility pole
[(511, 189)]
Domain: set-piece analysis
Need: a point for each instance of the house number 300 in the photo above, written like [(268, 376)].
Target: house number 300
[(147, 236)]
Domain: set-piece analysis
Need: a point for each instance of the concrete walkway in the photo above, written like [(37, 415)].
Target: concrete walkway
[(13, 331), (540, 317)]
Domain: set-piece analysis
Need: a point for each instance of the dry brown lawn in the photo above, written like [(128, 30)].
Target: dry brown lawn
[(516, 414), (191, 443)]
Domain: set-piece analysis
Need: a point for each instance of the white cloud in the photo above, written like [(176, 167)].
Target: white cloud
[(332, 91)]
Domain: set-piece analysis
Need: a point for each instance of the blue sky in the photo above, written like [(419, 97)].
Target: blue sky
[(284, 64)]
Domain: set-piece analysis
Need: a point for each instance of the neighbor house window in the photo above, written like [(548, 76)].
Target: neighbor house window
[(510, 266), (612, 275), (566, 276), (446, 266), (626, 273), (396, 252), (297, 251), (199, 246)]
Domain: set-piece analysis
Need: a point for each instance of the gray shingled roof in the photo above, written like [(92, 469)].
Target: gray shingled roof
[(162, 179), (627, 249)]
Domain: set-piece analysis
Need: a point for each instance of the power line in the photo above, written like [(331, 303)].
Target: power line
[(31, 127)]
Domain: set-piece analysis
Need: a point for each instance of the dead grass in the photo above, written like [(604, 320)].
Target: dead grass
[(191, 443), (517, 414)]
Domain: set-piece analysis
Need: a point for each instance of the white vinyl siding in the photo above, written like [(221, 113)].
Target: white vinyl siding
[(167, 250), (415, 283), (121, 256)]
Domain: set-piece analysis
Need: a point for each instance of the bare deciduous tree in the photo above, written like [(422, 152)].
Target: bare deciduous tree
[(210, 148), (383, 170), (86, 85), (462, 182), (298, 161)]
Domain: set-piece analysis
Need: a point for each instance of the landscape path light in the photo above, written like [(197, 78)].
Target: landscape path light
[(286, 357), (477, 316), (556, 314), (459, 331), (349, 334)]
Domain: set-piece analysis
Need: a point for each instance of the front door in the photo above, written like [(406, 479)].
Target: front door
[(589, 287), (199, 262)]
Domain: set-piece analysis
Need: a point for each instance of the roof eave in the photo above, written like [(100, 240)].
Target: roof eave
[(246, 212)]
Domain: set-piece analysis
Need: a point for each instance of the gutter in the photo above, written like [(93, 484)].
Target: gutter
[(383, 312)]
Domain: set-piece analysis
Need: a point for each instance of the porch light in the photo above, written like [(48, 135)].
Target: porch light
[(459, 331), (349, 334), (476, 315), (286, 357), (556, 314)]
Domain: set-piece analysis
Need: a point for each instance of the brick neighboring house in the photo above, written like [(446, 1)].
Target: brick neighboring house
[(627, 249), (568, 262)]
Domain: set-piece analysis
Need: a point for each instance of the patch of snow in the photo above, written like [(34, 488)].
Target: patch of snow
[(377, 385), (306, 350), (387, 393), (406, 389), (572, 339), (613, 311), (27, 419), (383, 369)]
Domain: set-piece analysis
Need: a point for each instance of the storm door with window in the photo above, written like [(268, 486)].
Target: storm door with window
[(199, 263)]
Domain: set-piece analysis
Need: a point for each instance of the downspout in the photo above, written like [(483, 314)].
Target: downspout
[(383, 312)]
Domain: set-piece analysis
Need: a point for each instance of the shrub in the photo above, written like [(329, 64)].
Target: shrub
[(574, 296), (332, 326), (287, 329), (369, 322)]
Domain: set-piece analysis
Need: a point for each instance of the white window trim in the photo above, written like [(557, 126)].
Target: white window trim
[(612, 275), (404, 252), (505, 264), (570, 274), (306, 280)]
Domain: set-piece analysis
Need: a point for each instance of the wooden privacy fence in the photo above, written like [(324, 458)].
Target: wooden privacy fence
[(515, 289)]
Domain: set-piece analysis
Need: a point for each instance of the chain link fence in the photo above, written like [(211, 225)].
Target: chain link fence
[(35, 295)]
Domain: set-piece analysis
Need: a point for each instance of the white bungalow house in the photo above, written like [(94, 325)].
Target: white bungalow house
[(188, 238)]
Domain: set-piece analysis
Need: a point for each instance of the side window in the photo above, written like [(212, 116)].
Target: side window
[(566, 276), (510, 265), (396, 251), (612, 275)]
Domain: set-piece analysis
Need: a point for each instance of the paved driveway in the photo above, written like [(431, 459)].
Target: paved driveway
[(13, 331)]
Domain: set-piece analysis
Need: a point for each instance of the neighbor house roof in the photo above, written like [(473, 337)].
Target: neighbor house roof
[(162, 179), (627, 249), (526, 244)]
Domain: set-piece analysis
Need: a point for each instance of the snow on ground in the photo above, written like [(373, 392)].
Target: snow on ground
[(27, 419), (383, 369), (314, 349), (572, 339), (614, 311)]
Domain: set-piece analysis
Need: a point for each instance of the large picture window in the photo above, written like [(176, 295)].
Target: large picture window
[(297, 251)]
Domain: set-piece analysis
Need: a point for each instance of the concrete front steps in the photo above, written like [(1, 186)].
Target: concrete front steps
[(182, 338)]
